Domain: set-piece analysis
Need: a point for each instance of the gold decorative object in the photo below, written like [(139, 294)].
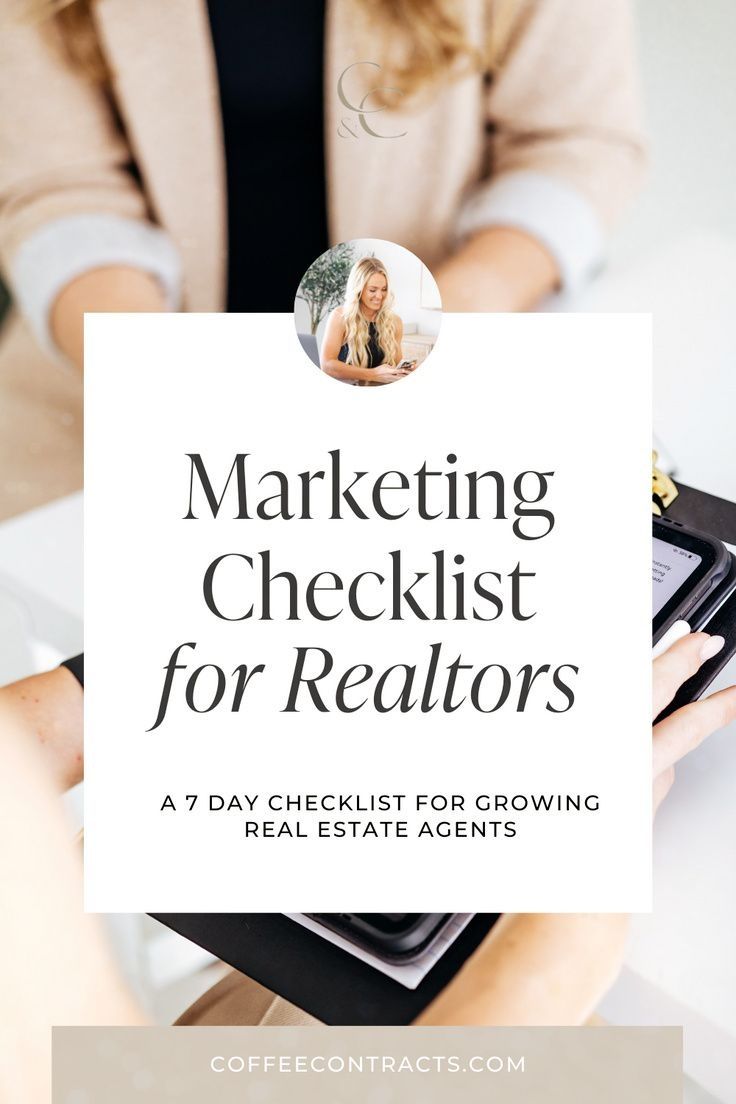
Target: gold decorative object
[(664, 490)]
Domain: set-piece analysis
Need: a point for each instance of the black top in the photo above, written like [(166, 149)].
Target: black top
[(270, 65), (76, 666), (375, 352)]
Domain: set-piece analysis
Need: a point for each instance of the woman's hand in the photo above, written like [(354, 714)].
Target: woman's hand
[(387, 373), (499, 269), (685, 729), (554, 968)]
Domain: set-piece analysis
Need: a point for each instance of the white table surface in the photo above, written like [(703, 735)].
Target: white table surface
[(43, 550), (681, 964)]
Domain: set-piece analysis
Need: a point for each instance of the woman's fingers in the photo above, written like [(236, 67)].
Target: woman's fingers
[(680, 733), (678, 664), (388, 374), (684, 730), (661, 787)]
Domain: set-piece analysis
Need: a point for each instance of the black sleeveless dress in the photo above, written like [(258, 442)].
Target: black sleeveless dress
[(376, 354), (270, 74)]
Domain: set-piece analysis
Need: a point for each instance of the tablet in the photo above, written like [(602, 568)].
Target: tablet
[(687, 566)]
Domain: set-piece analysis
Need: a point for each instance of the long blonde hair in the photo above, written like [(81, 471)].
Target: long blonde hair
[(357, 328), (426, 39)]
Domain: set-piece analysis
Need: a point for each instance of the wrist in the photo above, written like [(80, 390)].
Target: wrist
[(498, 269), (112, 289)]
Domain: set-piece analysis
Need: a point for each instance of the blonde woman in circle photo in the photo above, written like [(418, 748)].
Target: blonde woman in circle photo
[(362, 341)]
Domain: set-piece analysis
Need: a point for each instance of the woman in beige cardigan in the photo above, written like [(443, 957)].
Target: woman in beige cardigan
[(507, 153), (511, 145)]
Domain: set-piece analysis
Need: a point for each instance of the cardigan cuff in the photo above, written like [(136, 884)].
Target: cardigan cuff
[(65, 248), (548, 209)]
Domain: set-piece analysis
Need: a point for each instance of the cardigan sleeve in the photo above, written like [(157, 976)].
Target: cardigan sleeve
[(565, 145), (69, 199)]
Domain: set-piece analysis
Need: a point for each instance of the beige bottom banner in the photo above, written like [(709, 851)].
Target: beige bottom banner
[(268, 1065)]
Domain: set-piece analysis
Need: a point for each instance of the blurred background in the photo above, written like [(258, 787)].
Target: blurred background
[(675, 253)]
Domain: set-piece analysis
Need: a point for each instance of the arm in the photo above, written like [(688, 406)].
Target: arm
[(498, 269), (75, 231), (401, 358), (57, 969), (566, 153), (116, 288), (331, 345), (546, 969)]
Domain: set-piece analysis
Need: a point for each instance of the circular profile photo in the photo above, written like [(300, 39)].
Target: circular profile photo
[(367, 312)]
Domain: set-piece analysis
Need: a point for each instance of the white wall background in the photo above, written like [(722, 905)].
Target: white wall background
[(406, 273), (686, 52), (301, 316), (674, 253)]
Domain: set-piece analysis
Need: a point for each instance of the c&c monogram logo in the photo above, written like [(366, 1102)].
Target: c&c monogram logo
[(360, 111)]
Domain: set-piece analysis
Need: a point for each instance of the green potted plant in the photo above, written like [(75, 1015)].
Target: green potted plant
[(323, 284)]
